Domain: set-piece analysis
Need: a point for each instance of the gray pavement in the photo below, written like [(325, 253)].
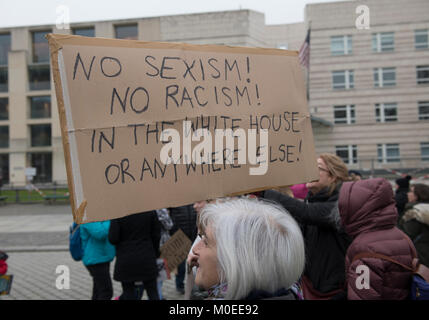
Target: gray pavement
[(36, 240)]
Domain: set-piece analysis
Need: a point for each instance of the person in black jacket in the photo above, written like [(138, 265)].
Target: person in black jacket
[(184, 218), (401, 198), (415, 221), (325, 242), (136, 238)]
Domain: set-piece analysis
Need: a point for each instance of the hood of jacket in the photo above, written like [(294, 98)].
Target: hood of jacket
[(420, 212), (366, 206)]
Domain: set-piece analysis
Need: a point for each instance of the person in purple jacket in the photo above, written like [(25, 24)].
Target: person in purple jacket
[(369, 215)]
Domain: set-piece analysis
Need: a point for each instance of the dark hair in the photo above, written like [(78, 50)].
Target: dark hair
[(355, 175), (355, 172), (404, 182), (421, 191)]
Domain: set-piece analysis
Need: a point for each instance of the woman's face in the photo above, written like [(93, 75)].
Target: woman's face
[(411, 195), (325, 178), (207, 272)]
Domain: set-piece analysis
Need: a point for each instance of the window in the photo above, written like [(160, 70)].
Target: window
[(43, 164), (4, 136), (386, 112), (384, 77), (126, 32), (40, 46), (344, 114), (423, 110), (421, 39), (4, 51), (348, 153), (424, 149), (341, 45), (86, 32), (4, 48), (343, 79), (388, 153), (40, 107), (4, 108), (39, 73), (4, 168), (3, 79), (40, 135), (422, 74), (382, 42), (39, 76)]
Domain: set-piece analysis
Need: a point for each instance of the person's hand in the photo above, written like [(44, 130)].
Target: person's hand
[(191, 261), (198, 206)]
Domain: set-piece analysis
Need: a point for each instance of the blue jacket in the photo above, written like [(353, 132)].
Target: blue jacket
[(95, 243)]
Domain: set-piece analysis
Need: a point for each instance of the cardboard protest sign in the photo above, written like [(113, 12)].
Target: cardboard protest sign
[(176, 249), (150, 125)]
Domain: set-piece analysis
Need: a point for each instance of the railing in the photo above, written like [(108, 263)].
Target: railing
[(368, 167), (29, 195), (413, 166)]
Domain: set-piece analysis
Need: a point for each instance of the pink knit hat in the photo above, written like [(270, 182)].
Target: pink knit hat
[(299, 190)]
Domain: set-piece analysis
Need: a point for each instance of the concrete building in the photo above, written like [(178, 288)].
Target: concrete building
[(372, 84), (30, 134)]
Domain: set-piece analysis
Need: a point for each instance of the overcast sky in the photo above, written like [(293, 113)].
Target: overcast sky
[(40, 12)]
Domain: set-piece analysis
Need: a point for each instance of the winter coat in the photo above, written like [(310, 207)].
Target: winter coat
[(415, 223), (3, 267), (96, 246), (136, 238), (369, 216), (3, 263), (184, 218), (325, 242), (166, 224), (282, 294)]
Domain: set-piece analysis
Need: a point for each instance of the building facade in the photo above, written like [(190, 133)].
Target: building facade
[(372, 84), (30, 135), (368, 89)]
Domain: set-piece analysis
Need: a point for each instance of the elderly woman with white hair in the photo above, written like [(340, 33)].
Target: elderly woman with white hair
[(249, 249)]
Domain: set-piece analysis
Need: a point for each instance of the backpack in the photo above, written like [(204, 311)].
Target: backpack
[(75, 242), (420, 287)]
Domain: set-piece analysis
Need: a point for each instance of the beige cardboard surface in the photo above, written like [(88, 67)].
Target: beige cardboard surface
[(176, 249), (116, 96)]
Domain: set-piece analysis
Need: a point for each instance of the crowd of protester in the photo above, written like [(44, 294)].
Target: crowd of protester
[(307, 241)]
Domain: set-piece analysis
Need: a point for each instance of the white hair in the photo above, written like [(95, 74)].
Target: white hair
[(259, 245)]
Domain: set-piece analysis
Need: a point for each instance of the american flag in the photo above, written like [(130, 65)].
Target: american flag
[(304, 51)]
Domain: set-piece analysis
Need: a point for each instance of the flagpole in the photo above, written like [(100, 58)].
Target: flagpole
[(304, 59), (308, 69)]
